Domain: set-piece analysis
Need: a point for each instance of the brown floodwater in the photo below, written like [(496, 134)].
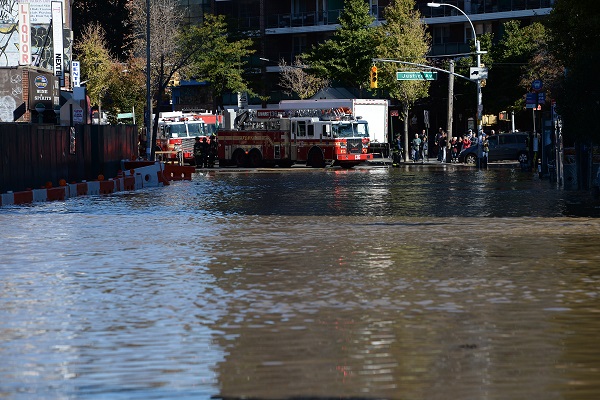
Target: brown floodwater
[(414, 283)]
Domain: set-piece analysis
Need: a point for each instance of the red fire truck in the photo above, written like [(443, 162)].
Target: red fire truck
[(285, 137), (177, 132)]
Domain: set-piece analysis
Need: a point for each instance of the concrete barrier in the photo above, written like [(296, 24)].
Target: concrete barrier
[(145, 176)]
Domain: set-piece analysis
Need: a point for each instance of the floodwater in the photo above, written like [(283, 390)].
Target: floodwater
[(407, 283)]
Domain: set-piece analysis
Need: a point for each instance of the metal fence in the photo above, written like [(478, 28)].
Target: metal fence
[(34, 155)]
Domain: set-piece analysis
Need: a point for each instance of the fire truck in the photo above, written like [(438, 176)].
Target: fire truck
[(177, 132), (286, 137)]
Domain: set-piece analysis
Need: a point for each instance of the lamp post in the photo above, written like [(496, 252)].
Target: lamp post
[(149, 138), (478, 54)]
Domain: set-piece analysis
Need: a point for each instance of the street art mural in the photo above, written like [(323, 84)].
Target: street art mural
[(11, 93), (41, 35)]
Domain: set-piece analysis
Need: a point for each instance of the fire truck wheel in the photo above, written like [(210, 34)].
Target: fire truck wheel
[(254, 159), (239, 158), (315, 159)]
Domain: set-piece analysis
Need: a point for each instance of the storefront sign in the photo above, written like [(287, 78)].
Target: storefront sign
[(24, 35)]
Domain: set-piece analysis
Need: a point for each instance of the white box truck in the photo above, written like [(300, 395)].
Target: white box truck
[(375, 111)]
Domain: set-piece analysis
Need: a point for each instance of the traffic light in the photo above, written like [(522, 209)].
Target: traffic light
[(373, 77)]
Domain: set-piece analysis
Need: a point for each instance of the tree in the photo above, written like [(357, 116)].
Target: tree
[(170, 49), (126, 89), (219, 60), (295, 80), (96, 61), (346, 57), (575, 41), (402, 37), (518, 58)]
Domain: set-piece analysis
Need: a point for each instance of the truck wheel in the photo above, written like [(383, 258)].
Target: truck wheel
[(315, 159), (254, 159), (240, 159)]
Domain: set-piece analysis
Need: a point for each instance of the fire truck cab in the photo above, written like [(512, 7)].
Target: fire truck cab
[(177, 132), (275, 137)]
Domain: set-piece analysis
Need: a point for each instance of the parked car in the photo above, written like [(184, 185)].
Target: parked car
[(505, 146)]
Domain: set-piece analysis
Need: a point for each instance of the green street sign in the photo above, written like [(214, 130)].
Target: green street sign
[(416, 76)]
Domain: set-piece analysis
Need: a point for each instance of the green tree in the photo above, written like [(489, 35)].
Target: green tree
[(96, 62), (466, 91), (171, 48), (518, 58), (402, 37), (575, 41), (219, 59), (346, 57), (126, 90)]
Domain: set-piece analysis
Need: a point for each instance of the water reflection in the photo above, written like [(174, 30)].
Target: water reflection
[(398, 284)]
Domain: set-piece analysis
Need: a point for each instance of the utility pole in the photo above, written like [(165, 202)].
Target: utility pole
[(149, 138), (450, 107)]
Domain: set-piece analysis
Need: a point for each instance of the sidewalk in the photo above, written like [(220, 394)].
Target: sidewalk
[(433, 162)]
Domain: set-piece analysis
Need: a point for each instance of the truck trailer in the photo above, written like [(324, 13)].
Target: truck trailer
[(374, 111)]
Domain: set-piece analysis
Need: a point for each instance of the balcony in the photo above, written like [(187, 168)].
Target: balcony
[(311, 21), (483, 7)]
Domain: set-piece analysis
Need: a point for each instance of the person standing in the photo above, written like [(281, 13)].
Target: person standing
[(424, 145), (198, 152), (416, 147), (204, 156), (212, 150), (443, 142), (454, 149), (535, 146), (438, 137), (486, 149)]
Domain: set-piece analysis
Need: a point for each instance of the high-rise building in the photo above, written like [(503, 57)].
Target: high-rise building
[(286, 29)]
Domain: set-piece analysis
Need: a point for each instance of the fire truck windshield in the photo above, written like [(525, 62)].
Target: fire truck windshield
[(175, 130), (196, 129), (350, 129)]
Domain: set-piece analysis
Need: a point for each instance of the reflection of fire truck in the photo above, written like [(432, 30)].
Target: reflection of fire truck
[(276, 137), (177, 132)]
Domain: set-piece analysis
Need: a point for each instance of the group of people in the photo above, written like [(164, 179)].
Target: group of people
[(419, 146), (205, 152), (458, 144), (448, 147)]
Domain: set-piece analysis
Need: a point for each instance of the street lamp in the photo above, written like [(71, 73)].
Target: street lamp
[(477, 52)]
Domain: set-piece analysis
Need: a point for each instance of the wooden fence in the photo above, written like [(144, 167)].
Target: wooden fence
[(33, 155)]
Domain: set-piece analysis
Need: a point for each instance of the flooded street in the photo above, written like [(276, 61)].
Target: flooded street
[(403, 283)]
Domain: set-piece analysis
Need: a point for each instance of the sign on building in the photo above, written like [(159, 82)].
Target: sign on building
[(57, 40), (24, 35)]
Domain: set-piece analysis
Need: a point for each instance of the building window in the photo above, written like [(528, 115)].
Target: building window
[(441, 34), (299, 44)]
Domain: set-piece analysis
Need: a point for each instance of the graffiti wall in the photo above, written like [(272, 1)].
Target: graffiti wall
[(11, 92), (41, 35)]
